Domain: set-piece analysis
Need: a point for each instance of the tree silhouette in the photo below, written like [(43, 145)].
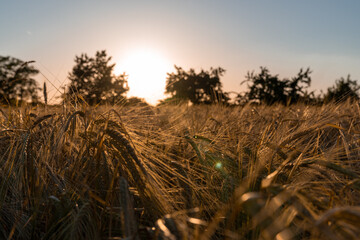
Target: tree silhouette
[(204, 87), (269, 89), (344, 89), (93, 80), (265, 88), (296, 87), (16, 82)]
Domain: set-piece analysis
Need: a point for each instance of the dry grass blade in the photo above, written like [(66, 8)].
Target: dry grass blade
[(39, 120), (129, 222), (254, 172)]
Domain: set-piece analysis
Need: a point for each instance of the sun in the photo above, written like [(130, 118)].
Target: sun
[(146, 70)]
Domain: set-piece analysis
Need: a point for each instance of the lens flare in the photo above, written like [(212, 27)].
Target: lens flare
[(218, 165)]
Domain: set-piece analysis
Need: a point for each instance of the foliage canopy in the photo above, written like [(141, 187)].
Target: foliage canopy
[(16, 82), (204, 87), (343, 89), (93, 79), (270, 89)]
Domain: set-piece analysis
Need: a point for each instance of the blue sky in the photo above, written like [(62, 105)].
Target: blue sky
[(239, 36)]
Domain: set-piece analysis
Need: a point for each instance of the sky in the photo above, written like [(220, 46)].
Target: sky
[(237, 35)]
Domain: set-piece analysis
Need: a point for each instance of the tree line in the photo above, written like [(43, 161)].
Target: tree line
[(92, 81)]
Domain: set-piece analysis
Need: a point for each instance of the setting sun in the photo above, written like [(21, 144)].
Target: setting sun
[(147, 73)]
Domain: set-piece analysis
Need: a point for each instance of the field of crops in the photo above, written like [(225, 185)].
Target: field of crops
[(180, 172)]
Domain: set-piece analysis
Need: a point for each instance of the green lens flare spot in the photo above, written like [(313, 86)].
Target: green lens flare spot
[(218, 165)]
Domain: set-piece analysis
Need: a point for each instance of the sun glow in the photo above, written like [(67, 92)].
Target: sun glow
[(147, 74)]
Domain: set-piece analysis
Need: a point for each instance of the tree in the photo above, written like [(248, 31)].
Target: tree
[(296, 87), (204, 87), (344, 89), (269, 89), (16, 82), (265, 88), (93, 80)]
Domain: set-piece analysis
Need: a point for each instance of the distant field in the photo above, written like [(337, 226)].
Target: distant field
[(180, 172)]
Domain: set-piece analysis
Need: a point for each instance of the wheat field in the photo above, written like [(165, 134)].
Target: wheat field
[(180, 172)]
